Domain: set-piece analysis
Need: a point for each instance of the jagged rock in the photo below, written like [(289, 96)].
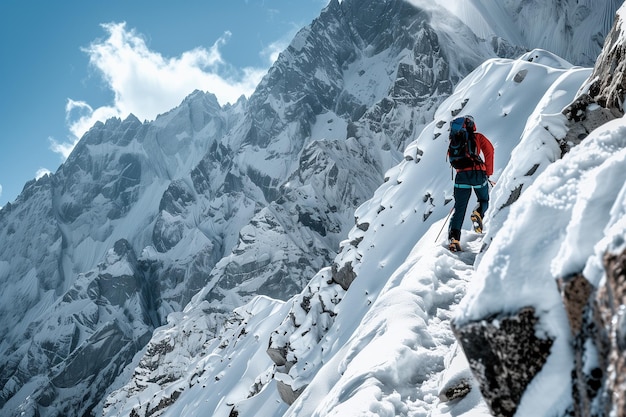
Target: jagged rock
[(91, 357), (576, 292), (504, 354), (585, 324), (278, 355), (604, 98), (343, 275), (287, 394), (457, 380), (98, 339), (458, 390), (609, 83), (597, 319), (584, 119), (612, 300)]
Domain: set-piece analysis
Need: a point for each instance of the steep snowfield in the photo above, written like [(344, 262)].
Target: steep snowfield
[(501, 100), (386, 347), (212, 374)]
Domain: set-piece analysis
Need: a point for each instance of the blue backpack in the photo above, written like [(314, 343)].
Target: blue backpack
[(462, 150)]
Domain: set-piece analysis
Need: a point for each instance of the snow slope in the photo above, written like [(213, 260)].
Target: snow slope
[(383, 347), (396, 212)]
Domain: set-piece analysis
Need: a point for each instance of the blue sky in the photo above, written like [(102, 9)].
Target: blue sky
[(66, 64)]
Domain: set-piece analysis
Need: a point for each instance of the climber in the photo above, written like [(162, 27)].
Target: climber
[(472, 172)]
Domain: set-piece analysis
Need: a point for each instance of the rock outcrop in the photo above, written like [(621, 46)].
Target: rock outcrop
[(504, 354), (612, 306)]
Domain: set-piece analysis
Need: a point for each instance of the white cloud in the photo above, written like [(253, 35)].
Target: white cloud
[(42, 172), (274, 49), (271, 52), (145, 83)]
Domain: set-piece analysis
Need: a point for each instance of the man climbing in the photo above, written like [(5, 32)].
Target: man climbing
[(472, 172)]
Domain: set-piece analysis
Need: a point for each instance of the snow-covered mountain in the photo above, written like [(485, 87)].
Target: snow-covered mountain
[(189, 265), (573, 29)]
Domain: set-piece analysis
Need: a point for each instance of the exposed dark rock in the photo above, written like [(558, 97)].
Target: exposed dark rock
[(363, 226), (604, 98), (459, 390), (313, 221), (597, 319), (576, 292), (584, 119), (504, 354), (83, 363), (609, 85), (278, 355), (287, 394), (515, 194), (344, 275), (532, 170), (578, 298), (175, 198), (519, 77), (612, 301)]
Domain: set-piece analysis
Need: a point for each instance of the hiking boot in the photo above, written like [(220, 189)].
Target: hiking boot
[(455, 245), (477, 221)]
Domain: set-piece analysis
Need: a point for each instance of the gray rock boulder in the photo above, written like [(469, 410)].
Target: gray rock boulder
[(504, 354)]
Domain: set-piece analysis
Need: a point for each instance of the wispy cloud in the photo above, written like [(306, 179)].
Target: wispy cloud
[(271, 52), (145, 83), (42, 172)]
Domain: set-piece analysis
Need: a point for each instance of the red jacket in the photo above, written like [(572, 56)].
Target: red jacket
[(483, 145)]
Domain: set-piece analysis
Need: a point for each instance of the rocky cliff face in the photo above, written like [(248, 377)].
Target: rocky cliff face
[(601, 99), (611, 299), (595, 310)]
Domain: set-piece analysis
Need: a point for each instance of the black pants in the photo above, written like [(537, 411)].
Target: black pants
[(464, 182)]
